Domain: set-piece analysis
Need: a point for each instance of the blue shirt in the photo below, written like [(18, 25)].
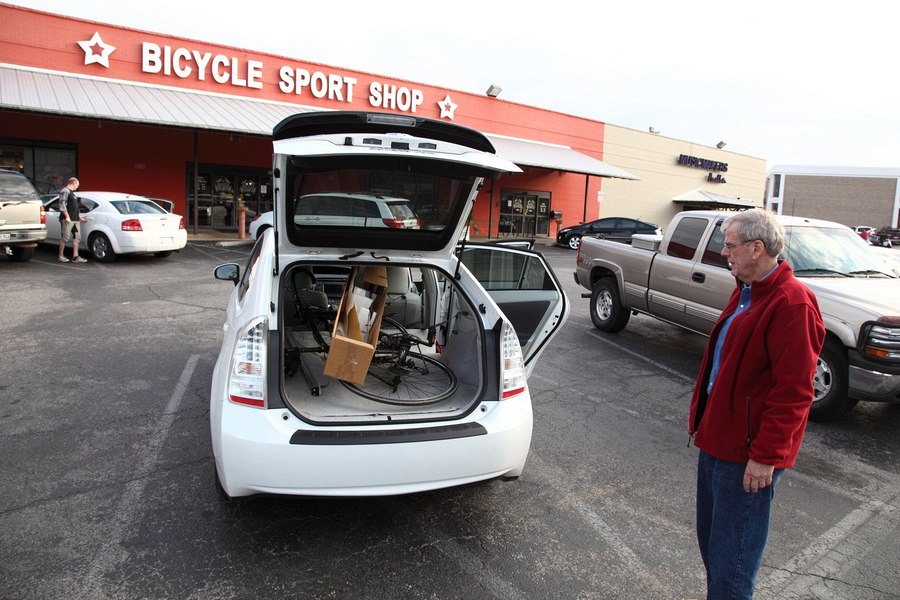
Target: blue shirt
[(743, 304)]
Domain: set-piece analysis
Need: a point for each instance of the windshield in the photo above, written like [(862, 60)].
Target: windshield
[(826, 250), (398, 203), (137, 207)]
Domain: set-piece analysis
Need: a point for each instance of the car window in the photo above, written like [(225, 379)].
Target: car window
[(395, 201), (686, 237), (137, 207), (506, 270), (627, 224), (15, 188), (401, 210), (712, 255), (250, 271)]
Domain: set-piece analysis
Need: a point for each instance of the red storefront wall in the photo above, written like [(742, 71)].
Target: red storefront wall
[(152, 160)]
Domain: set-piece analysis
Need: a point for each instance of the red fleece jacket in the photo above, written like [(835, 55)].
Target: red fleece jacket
[(760, 402)]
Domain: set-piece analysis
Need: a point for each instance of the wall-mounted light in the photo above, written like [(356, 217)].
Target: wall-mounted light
[(653, 130), (720, 145), (494, 91)]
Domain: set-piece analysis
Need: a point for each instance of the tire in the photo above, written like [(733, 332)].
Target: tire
[(163, 254), (607, 311), (20, 254), (101, 248), (831, 383), (415, 381), (574, 242)]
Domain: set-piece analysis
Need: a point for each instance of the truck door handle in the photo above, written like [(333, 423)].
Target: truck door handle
[(698, 277)]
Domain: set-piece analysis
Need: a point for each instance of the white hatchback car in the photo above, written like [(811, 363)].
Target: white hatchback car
[(119, 223), (363, 360)]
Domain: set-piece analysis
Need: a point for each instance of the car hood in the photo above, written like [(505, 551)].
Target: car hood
[(438, 167), (868, 298)]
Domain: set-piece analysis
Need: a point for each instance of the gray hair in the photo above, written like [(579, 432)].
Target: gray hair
[(758, 224)]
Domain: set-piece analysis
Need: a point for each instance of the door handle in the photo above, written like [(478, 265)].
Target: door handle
[(698, 277)]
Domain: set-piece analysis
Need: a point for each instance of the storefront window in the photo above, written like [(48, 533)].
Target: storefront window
[(48, 166), (524, 213), (221, 190)]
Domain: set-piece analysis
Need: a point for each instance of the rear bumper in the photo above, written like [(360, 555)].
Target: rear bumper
[(142, 242), (23, 237), (254, 453)]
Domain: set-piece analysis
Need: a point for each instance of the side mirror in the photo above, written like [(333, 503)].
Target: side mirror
[(228, 272)]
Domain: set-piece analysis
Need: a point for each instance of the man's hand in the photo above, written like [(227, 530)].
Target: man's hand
[(757, 476)]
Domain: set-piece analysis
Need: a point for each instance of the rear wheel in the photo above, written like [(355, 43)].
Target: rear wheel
[(607, 311), (101, 248), (830, 383), (413, 380), (20, 254)]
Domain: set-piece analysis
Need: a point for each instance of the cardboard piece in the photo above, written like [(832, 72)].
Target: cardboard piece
[(358, 322)]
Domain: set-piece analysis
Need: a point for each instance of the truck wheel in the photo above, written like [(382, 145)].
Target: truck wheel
[(607, 311), (20, 254), (830, 382), (574, 241)]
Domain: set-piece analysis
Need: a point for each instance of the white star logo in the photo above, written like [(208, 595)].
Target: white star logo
[(96, 51), (447, 107)]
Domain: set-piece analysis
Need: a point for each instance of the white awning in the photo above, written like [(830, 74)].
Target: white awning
[(708, 200), (79, 96)]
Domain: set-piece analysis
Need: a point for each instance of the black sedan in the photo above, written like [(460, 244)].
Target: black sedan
[(618, 229)]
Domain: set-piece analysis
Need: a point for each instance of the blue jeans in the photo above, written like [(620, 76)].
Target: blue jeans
[(732, 527)]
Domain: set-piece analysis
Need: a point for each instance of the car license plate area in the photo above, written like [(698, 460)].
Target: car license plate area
[(165, 241), (5, 237)]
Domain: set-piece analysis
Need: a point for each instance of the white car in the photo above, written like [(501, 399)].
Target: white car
[(363, 360), (119, 223), (262, 222)]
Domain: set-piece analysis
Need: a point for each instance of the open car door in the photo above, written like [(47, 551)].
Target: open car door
[(523, 285)]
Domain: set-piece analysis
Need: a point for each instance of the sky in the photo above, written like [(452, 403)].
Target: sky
[(794, 82)]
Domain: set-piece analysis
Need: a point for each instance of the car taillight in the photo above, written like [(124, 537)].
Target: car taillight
[(395, 223), (131, 225), (43, 216), (512, 363), (180, 223), (247, 378)]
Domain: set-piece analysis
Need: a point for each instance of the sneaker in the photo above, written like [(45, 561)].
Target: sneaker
[(62, 259), (78, 259)]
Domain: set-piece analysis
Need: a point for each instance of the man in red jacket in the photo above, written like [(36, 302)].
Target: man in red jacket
[(751, 401)]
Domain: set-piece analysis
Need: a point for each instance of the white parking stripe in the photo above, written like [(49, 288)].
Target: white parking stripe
[(129, 507)]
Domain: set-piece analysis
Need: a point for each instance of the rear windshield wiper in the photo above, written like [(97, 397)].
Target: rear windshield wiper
[(819, 271)]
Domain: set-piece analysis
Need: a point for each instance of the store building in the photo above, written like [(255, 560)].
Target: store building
[(848, 195), (191, 121)]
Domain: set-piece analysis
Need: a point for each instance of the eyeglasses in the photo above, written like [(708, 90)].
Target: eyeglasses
[(731, 247)]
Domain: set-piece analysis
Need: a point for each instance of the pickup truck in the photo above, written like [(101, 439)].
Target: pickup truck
[(22, 218), (682, 278)]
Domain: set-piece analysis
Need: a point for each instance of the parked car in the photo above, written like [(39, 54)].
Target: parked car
[(617, 229), (891, 233), (682, 278), (355, 209), (119, 223), (878, 238), (22, 219), (364, 360), (890, 256), (262, 222)]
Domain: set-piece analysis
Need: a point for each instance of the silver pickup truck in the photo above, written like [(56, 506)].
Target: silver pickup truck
[(682, 278)]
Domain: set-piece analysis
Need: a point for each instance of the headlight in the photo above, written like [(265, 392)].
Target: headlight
[(881, 339)]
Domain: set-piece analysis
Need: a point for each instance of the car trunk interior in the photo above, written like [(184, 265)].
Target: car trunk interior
[(426, 323)]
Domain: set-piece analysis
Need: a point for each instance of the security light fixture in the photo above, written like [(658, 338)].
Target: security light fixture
[(494, 91), (720, 145)]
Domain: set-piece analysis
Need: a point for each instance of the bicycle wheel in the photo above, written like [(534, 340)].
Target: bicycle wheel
[(414, 380)]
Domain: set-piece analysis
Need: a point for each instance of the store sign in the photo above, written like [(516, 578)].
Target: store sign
[(706, 164), (222, 69), (702, 163)]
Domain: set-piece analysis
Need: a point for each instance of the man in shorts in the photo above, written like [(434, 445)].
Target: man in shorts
[(69, 217)]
